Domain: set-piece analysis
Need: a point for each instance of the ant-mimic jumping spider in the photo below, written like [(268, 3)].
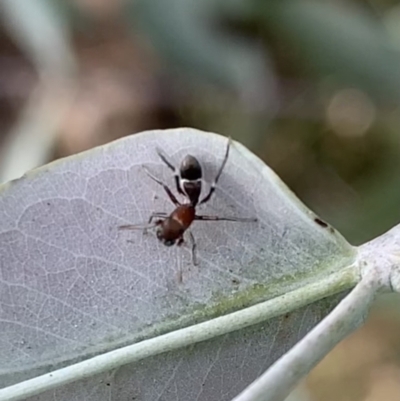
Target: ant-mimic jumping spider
[(188, 181)]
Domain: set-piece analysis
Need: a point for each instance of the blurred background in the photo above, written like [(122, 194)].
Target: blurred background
[(312, 87)]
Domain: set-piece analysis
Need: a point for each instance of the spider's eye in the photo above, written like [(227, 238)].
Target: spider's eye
[(169, 242)]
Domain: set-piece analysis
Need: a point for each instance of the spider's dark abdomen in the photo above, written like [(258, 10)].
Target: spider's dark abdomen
[(190, 168)]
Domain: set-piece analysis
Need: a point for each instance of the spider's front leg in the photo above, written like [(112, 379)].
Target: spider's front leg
[(165, 186), (173, 169)]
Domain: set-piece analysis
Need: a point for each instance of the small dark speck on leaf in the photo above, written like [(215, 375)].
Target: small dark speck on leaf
[(48, 203), (321, 222), (108, 384), (235, 281)]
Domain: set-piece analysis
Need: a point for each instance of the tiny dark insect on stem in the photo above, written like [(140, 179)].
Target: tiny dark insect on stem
[(170, 228)]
